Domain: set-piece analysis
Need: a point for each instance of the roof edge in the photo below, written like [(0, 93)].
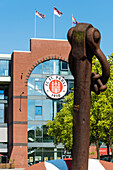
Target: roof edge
[(49, 39)]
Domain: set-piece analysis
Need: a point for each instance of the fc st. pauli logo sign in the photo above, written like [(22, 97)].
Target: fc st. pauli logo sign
[(55, 86)]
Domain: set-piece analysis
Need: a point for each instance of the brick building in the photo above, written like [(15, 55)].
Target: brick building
[(24, 107)]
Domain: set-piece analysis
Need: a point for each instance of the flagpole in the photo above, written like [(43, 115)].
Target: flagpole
[(72, 20), (35, 27), (53, 25)]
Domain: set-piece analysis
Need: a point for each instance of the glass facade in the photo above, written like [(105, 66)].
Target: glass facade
[(41, 108), (1, 113), (4, 72), (4, 67), (36, 154), (38, 133), (3, 103)]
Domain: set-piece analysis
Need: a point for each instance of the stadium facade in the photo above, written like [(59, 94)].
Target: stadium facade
[(24, 106)]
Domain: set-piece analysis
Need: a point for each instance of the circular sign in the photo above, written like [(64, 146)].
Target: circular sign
[(55, 87)]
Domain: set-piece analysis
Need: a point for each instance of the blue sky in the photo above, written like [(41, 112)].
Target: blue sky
[(17, 21)]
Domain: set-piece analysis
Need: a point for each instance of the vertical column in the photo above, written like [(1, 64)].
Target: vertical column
[(55, 153), (18, 116), (18, 126)]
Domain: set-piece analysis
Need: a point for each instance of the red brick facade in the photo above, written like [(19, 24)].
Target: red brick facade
[(22, 65)]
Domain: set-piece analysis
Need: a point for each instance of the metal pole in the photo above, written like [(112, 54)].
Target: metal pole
[(72, 20), (35, 27), (53, 26)]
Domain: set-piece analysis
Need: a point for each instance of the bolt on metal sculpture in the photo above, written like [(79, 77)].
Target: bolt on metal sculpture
[(84, 40)]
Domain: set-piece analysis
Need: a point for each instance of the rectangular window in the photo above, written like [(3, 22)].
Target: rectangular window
[(31, 133), (38, 110), (59, 105), (70, 86), (38, 131), (4, 68), (46, 65), (1, 113), (1, 94), (64, 66), (38, 85)]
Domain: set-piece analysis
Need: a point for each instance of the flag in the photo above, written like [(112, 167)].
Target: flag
[(74, 21), (57, 12), (39, 14)]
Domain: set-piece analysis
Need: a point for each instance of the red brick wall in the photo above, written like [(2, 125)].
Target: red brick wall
[(23, 63)]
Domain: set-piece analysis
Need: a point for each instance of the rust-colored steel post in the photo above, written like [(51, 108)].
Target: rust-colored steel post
[(84, 40)]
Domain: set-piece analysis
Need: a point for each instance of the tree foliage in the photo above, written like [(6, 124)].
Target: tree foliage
[(61, 126), (101, 115)]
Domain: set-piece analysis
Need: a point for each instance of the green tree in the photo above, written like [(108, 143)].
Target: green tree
[(101, 119), (61, 127)]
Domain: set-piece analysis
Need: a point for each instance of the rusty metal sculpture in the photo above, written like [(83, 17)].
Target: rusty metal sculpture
[(84, 40)]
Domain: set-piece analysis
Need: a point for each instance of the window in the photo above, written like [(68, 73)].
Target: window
[(38, 131), (70, 86), (31, 133), (64, 66), (4, 68), (1, 113), (38, 85), (4, 92), (1, 94), (59, 105), (38, 110), (46, 65)]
